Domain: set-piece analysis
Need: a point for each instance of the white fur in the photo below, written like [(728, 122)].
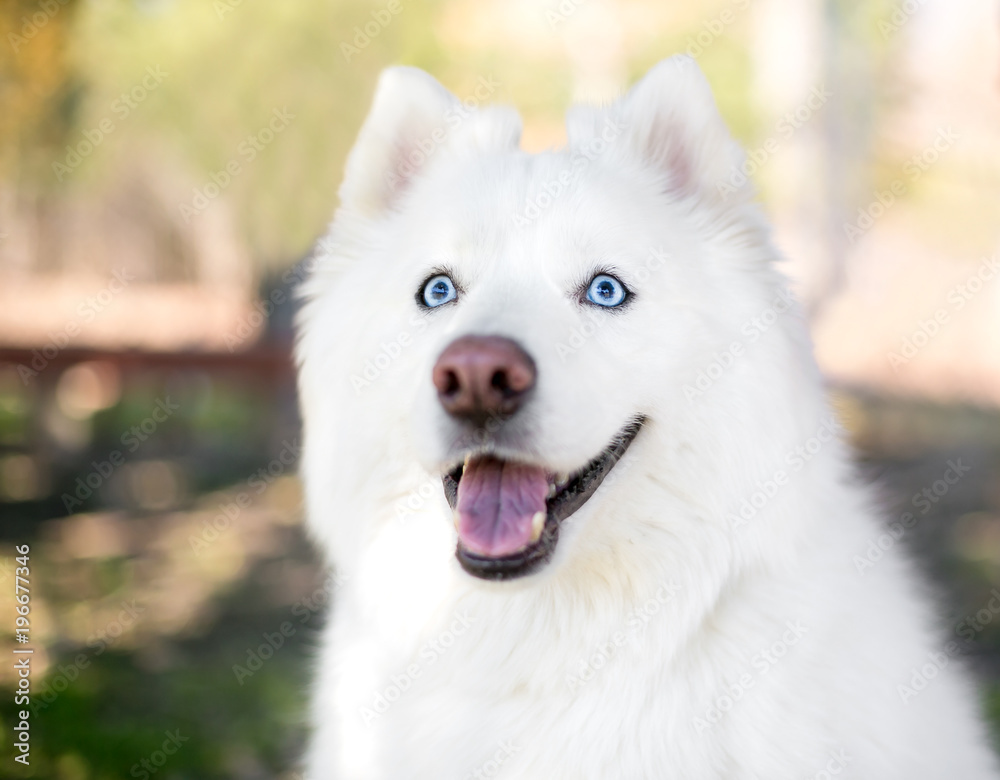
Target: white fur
[(653, 558)]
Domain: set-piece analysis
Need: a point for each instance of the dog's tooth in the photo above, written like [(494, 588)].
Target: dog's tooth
[(552, 490), (561, 480), (454, 517), (537, 524)]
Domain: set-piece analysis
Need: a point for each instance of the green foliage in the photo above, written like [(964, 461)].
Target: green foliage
[(115, 713)]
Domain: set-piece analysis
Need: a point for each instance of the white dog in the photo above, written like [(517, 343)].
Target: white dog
[(567, 447)]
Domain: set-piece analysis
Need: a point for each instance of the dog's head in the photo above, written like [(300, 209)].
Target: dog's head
[(489, 333)]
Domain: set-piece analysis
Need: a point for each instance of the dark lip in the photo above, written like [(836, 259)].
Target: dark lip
[(581, 486)]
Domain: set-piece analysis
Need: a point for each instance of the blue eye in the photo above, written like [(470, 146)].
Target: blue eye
[(605, 290), (438, 290)]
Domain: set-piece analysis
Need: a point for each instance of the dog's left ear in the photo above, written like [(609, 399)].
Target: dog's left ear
[(670, 122)]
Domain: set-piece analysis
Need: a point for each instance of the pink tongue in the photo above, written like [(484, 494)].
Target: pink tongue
[(496, 502)]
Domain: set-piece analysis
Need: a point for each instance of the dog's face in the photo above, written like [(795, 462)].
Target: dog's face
[(510, 325)]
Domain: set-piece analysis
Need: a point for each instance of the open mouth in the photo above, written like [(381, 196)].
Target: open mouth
[(508, 513)]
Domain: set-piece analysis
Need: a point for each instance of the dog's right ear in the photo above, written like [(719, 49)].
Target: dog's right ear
[(412, 120), (409, 109)]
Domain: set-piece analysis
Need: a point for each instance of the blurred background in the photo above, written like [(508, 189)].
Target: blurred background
[(166, 166)]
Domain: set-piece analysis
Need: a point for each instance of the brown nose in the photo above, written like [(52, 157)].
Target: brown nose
[(479, 376)]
